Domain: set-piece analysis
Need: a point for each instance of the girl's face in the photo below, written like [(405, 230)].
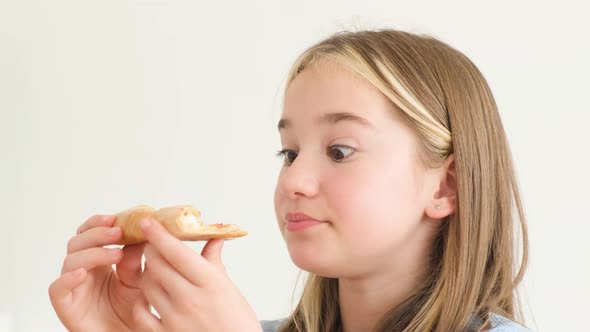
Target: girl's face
[(352, 165)]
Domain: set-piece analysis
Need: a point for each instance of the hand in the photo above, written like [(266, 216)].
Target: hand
[(89, 295), (190, 292)]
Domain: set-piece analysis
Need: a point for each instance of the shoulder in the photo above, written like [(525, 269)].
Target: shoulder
[(271, 325), (499, 324), (503, 324)]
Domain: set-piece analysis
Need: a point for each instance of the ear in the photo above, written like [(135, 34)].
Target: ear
[(443, 201)]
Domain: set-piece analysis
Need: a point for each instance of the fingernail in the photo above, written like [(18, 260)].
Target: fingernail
[(146, 223), (115, 252), (114, 230), (108, 217)]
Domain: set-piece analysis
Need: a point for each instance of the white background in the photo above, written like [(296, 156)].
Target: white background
[(108, 104)]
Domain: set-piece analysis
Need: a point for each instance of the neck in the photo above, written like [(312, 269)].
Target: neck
[(364, 303), (364, 300)]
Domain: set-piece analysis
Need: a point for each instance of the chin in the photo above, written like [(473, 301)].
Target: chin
[(313, 261)]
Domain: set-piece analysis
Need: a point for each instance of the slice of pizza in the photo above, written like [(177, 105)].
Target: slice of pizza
[(182, 221)]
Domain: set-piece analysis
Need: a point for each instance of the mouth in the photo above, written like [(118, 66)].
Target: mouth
[(298, 221)]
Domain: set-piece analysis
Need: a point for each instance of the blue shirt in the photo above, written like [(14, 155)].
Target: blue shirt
[(499, 324)]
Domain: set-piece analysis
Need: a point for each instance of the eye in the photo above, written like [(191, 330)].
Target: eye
[(336, 152), (340, 152), (288, 155)]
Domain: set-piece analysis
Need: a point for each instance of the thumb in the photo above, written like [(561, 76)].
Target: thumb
[(129, 268), (212, 252)]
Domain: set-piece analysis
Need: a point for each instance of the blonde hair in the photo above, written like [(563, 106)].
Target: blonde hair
[(442, 95)]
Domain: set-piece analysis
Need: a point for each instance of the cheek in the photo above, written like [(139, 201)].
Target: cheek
[(380, 205)]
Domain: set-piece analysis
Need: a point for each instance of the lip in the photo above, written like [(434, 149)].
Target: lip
[(298, 221)]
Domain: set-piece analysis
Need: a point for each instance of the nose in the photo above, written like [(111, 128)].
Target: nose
[(300, 179)]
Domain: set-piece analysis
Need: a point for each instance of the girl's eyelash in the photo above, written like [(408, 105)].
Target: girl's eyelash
[(283, 153)]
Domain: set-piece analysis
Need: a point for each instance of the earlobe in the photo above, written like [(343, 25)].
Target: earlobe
[(440, 210)]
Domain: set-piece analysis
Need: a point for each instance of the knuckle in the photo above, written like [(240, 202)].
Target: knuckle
[(191, 303)]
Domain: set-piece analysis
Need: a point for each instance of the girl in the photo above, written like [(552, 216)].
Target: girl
[(397, 195)]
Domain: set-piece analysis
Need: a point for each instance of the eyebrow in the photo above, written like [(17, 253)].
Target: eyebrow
[(331, 118)]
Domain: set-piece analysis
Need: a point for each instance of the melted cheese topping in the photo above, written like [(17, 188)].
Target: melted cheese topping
[(191, 223)]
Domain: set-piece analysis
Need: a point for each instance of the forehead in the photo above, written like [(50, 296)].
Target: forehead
[(330, 87)]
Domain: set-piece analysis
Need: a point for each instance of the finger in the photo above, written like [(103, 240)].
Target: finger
[(165, 275), (97, 220), (91, 258), (95, 237), (191, 265), (156, 295), (60, 291), (212, 253), (144, 319), (129, 268)]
